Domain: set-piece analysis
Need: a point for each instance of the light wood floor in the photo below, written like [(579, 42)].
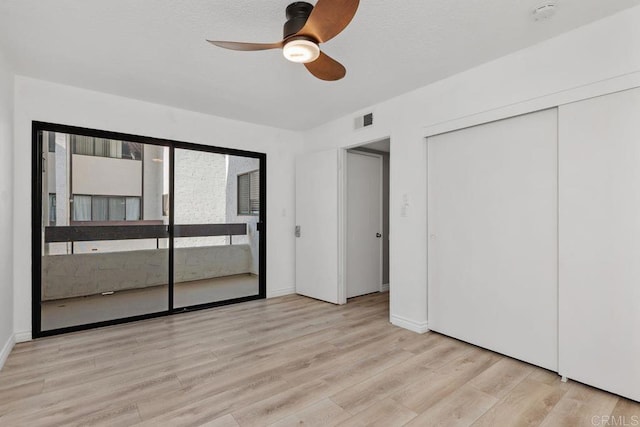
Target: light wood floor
[(283, 362)]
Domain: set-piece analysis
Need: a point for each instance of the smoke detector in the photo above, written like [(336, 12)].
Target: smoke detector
[(544, 10)]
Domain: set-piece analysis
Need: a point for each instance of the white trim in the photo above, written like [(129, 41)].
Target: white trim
[(281, 292), (22, 336), (342, 225), (381, 225), (344, 212), (544, 102), (403, 322), (8, 346)]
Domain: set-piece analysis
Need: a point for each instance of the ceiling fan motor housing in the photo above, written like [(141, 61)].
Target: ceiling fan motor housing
[(297, 15)]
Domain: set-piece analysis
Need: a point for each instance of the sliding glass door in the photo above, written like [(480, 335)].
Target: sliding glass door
[(104, 236), (127, 227), (217, 212)]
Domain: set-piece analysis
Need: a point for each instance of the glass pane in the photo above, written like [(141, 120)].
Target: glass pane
[(254, 193), (81, 208), (243, 194), (91, 275), (82, 145), (116, 209), (52, 209), (216, 247), (50, 137), (115, 149), (133, 208), (101, 147), (131, 150), (99, 208)]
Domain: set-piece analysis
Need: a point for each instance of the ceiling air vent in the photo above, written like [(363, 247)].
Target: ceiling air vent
[(364, 121)]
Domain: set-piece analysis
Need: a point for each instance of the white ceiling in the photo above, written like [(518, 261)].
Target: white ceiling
[(155, 50)]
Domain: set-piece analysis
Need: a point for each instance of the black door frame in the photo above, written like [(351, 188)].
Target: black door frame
[(37, 154)]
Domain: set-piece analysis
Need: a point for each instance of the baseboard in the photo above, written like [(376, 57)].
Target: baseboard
[(385, 288), (8, 346), (403, 322), (22, 336), (281, 292)]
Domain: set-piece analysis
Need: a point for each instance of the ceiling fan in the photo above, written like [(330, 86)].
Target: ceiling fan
[(306, 27)]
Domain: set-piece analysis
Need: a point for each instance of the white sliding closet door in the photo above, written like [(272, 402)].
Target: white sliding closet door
[(600, 242), (493, 236)]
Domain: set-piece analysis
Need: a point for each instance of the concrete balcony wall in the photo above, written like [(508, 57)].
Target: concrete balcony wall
[(66, 276)]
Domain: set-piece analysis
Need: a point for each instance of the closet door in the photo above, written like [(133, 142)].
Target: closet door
[(492, 219), (600, 242)]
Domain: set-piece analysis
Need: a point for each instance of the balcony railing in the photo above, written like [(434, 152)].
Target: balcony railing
[(90, 233)]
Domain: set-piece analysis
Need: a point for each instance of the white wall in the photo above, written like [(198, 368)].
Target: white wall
[(588, 61), (200, 193), (62, 173), (44, 101), (154, 182), (6, 214)]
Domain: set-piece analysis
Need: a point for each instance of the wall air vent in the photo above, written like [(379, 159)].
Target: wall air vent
[(368, 119), (364, 121)]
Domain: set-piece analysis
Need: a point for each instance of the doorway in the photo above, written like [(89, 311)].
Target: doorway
[(367, 219), (321, 223), (128, 227)]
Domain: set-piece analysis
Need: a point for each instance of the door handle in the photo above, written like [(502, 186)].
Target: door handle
[(378, 235)]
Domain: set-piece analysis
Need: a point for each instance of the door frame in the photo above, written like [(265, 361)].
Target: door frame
[(381, 208), (342, 216), (36, 223)]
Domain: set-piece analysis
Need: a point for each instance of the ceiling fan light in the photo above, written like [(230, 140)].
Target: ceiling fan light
[(301, 51)]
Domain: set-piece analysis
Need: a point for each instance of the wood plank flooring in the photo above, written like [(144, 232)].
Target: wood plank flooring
[(287, 361)]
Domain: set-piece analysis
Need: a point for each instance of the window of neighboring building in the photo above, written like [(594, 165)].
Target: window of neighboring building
[(131, 150), (51, 139), (106, 208), (81, 208), (52, 208), (133, 211), (99, 208), (101, 147), (249, 193)]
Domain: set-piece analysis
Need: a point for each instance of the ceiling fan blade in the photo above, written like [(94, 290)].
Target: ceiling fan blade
[(326, 68), (328, 18), (246, 46)]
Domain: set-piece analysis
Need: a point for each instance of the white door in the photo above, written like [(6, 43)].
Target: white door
[(600, 242), (364, 224), (317, 222), (492, 220)]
